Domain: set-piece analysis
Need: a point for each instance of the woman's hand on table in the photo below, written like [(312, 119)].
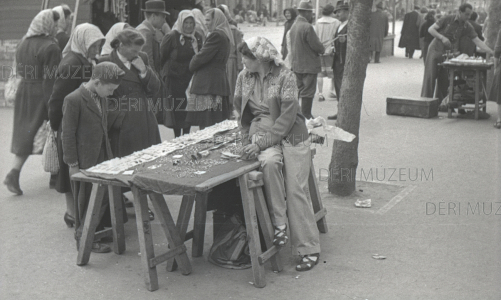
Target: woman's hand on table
[(250, 151)]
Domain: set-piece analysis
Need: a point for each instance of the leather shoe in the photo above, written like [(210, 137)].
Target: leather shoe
[(334, 117), (69, 220), (100, 248)]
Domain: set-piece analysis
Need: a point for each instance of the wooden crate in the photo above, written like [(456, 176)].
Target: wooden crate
[(412, 107)]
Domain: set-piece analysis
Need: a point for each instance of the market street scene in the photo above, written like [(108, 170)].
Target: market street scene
[(250, 149)]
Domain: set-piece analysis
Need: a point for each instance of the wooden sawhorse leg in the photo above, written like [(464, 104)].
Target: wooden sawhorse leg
[(254, 205), (148, 259), (316, 200), (93, 217), (183, 221), (200, 218)]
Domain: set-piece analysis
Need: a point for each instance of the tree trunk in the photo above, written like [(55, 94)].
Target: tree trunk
[(344, 160)]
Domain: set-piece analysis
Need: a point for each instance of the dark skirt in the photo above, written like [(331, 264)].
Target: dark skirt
[(30, 110), (175, 109), (495, 92), (61, 180), (211, 116)]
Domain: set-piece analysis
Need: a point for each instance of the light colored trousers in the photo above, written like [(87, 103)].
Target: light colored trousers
[(286, 170)]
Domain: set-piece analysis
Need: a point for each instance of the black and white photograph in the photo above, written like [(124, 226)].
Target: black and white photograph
[(250, 149)]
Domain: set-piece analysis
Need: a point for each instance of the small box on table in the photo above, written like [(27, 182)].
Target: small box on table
[(412, 107)]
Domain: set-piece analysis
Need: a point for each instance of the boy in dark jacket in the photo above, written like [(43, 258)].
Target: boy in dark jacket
[(85, 133)]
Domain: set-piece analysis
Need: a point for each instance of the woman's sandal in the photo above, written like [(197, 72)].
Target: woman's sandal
[(307, 263), (321, 98), (497, 125), (280, 238)]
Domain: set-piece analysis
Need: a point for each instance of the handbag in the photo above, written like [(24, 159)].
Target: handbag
[(41, 138), (50, 160)]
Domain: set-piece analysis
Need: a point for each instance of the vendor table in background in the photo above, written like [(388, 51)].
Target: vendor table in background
[(480, 83)]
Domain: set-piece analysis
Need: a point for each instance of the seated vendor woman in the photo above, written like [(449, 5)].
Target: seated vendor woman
[(274, 131)]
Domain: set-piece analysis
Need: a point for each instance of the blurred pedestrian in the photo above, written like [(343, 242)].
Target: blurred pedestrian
[(290, 15), (37, 51), (340, 43), (154, 19), (378, 31), (326, 28), (424, 34), (177, 49), (306, 50), (410, 32), (79, 55), (263, 15), (210, 85)]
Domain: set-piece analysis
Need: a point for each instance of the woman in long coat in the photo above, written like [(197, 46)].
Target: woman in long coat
[(210, 82), (234, 65), (132, 123), (290, 14), (75, 68), (177, 49), (37, 51)]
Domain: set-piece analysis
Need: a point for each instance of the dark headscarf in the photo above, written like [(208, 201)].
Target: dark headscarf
[(287, 27)]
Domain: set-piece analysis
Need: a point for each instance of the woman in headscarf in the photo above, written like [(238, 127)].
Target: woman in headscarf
[(290, 15), (234, 65), (177, 49), (210, 85), (111, 35), (274, 132), (200, 27), (75, 68), (63, 24), (38, 51)]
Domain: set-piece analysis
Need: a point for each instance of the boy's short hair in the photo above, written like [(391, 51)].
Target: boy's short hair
[(108, 72)]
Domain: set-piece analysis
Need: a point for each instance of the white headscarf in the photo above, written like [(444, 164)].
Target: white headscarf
[(200, 22), (178, 26), (42, 24), (61, 23), (111, 35), (219, 22), (82, 38)]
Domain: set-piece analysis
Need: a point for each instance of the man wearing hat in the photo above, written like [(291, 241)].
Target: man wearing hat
[(153, 29), (378, 31), (305, 51), (326, 28), (410, 32), (340, 42)]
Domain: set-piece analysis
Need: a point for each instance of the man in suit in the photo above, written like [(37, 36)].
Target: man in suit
[(152, 28), (410, 32), (340, 42), (305, 50), (378, 31)]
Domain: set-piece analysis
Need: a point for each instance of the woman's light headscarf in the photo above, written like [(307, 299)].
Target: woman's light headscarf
[(61, 23), (111, 35), (219, 22), (178, 26), (227, 14), (264, 50), (42, 24), (82, 38), (200, 21)]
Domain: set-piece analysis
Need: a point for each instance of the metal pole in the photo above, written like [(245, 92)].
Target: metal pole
[(317, 8), (75, 15)]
